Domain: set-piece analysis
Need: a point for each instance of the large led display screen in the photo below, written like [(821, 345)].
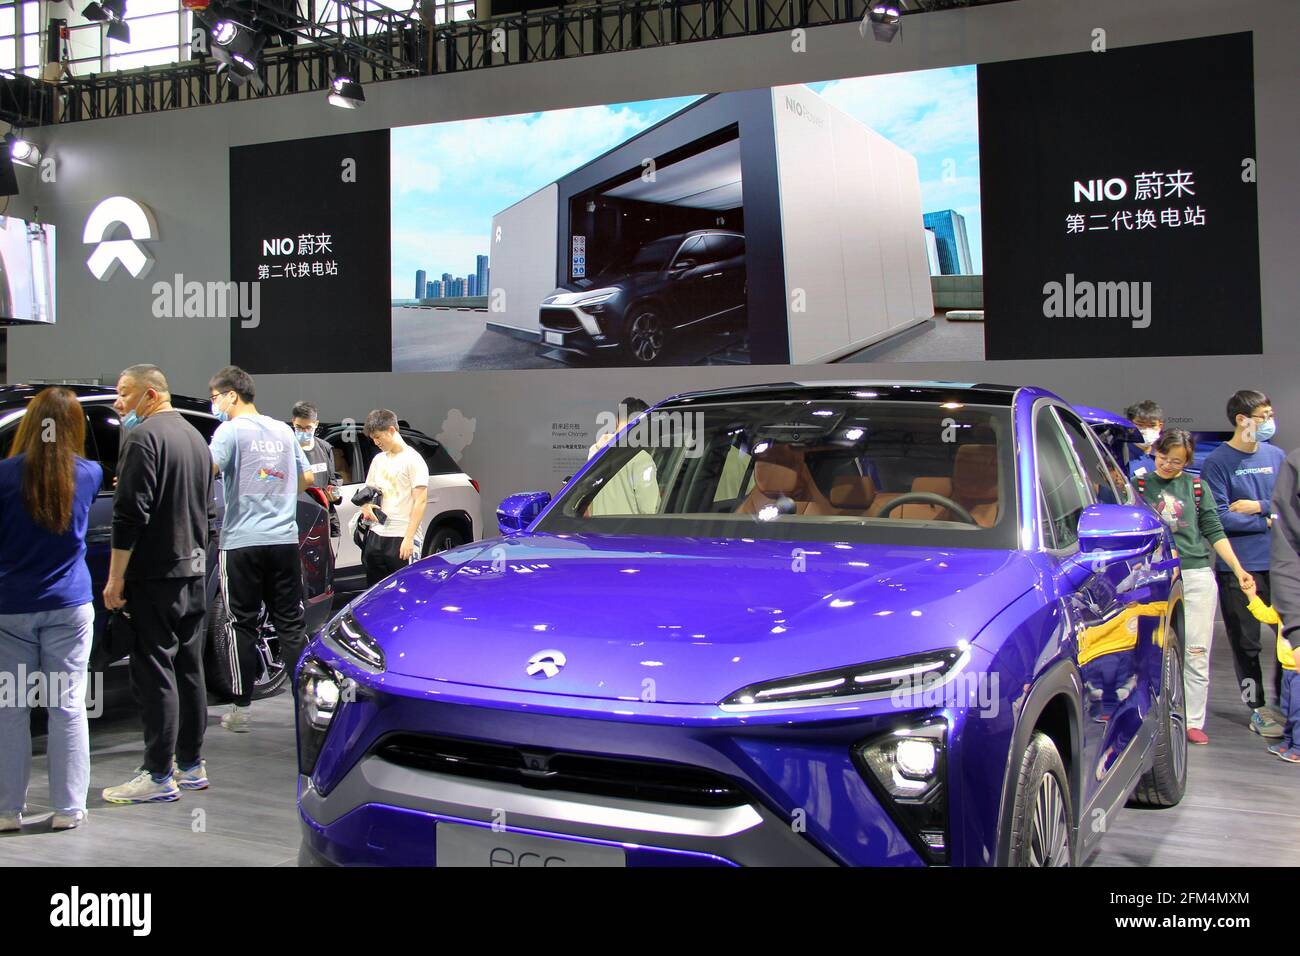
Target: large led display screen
[(1069, 206), (26, 272)]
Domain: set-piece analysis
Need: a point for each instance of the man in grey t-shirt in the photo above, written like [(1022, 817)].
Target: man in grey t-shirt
[(263, 469)]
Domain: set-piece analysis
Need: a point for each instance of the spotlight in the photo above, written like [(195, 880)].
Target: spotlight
[(237, 47), (345, 92), (885, 21), (112, 12), (22, 152)]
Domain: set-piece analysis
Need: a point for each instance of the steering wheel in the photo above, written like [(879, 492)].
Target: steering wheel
[(928, 498)]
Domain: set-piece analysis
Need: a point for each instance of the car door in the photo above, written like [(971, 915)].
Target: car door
[(689, 280), (725, 285), (350, 465), (1114, 625)]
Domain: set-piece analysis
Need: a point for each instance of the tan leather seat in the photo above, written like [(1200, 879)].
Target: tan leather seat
[(852, 494), (934, 484), (781, 472), (975, 482)]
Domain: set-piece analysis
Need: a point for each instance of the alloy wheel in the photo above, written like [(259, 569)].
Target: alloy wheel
[(1049, 843), (647, 337)]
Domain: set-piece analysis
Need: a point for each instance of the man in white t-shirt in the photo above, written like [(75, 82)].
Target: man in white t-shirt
[(402, 476)]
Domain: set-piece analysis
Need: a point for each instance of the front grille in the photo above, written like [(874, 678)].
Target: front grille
[(561, 320), (650, 780)]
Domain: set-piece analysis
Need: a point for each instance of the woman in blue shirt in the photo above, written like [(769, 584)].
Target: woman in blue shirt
[(46, 611)]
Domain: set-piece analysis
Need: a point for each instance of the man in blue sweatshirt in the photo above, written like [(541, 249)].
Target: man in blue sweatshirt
[(1240, 475)]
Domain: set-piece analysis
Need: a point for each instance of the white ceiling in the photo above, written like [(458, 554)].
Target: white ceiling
[(707, 180)]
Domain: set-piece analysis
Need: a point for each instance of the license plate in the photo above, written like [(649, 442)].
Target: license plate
[(459, 845), (554, 338)]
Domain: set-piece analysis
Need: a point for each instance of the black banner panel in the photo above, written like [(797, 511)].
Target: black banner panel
[(1119, 203), (309, 225)]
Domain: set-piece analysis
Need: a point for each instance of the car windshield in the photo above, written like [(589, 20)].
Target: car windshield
[(887, 472), (652, 257)]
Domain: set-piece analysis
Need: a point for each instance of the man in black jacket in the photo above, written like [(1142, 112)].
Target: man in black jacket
[(163, 508)]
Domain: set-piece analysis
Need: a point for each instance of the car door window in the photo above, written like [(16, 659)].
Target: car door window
[(434, 455), (691, 249), (1098, 472), (1064, 488), (105, 429), (205, 425)]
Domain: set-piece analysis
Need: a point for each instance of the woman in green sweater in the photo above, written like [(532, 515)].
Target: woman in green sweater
[(1185, 504)]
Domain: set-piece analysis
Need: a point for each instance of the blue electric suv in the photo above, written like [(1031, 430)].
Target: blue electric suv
[(896, 624)]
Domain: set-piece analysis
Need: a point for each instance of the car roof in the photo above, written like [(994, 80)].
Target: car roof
[(921, 391), (17, 396)]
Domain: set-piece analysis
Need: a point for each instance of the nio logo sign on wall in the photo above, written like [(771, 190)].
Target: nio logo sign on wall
[(546, 664), (106, 219)]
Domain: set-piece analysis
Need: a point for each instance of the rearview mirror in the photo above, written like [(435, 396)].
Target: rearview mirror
[(517, 512)]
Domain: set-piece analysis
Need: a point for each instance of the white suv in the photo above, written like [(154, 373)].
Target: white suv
[(451, 516)]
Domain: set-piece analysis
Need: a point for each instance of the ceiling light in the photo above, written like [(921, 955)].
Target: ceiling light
[(884, 20), (112, 12), (22, 152), (345, 92)]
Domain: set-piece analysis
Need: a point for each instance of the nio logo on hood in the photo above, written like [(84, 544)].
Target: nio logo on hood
[(546, 664), (110, 253)]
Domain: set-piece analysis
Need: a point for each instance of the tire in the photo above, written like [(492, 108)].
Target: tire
[(1042, 820), (1164, 784), (442, 538), (647, 334), (272, 679)]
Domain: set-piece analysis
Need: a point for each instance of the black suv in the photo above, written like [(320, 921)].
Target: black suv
[(103, 435), (641, 302)]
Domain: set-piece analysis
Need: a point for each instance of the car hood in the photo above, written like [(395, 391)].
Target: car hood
[(678, 620), (627, 282)]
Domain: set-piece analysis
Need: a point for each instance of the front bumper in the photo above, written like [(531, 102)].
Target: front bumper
[(383, 814), (800, 799), (570, 329)]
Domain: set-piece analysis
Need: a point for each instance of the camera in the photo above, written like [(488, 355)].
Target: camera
[(370, 495)]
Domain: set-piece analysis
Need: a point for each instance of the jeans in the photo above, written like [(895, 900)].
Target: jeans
[(55, 644), (1199, 593), (1290, 708)]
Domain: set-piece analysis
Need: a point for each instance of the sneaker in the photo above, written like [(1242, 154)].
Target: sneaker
[(239, 722), (196, 779), (1264, 725), (68, 821), (1290, 756), (142, 788), (1277, 748), (1197, 736), (10, 822)]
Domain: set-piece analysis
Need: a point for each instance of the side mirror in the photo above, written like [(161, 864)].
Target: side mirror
[(681, 265), (1118, 532), (517, 512)]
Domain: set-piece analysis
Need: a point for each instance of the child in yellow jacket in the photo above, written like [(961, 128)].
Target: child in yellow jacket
[(1285, 748)]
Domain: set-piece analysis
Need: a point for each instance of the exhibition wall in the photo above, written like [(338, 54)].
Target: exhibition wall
[(212, 174)]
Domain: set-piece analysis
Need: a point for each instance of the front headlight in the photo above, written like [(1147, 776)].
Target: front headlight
[(865, 681), (908, 769), (320, 690), (348, 637)]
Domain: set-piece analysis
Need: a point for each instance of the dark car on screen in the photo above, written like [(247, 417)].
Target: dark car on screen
[(103, 438), (643, 305)]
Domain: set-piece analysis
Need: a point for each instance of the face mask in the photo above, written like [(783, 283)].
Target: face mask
[(1266, 431), (304, 438), (132, 418), (217, 412), (1149, 435)]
